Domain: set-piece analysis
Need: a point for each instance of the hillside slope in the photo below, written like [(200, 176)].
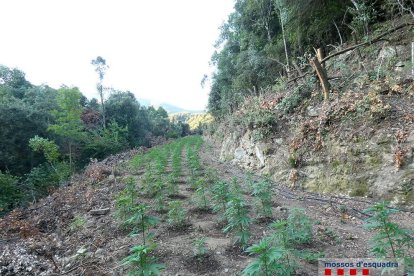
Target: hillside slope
[(77, 230), (359, 143)]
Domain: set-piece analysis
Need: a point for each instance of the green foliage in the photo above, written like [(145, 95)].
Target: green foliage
[(141, 262), (124, 109), (249, 56), (220, 195), (262, 191), (18, 123), (196, 122), (10, 193), (238, 220), (68, 119), (390, 241), (49, 148), (299, 226), (277, 254), (177, 215), (77, 223), (125, 200), (200, 195), (41, 179), (200, 248), (266, 262), (140, 221), (103, 142), (290, 102)]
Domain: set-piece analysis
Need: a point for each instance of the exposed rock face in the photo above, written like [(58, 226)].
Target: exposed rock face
[(360, 168)]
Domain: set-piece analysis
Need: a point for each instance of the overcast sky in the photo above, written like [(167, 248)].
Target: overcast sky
[(159, 50)]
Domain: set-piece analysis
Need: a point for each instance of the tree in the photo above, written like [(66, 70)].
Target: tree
[(123, 108), (68, 118), (100, 68)]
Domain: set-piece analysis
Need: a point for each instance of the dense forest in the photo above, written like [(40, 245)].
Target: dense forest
[(263, 42), (47, 134)]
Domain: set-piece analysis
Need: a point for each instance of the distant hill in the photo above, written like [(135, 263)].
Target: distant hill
[(168, 107), (194, 120)]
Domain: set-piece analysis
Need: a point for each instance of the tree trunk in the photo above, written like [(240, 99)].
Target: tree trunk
[(70, 156), (323, 77), (284, 43), (100, 88), (320, 55)]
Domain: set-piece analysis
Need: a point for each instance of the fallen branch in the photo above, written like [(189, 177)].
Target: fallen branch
[(99, 212), (299, 77), (374, 40)]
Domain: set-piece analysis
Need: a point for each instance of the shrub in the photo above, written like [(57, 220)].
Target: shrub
[(290, 102), (277, 254), (299, 226), (11, 194), (77, 223)]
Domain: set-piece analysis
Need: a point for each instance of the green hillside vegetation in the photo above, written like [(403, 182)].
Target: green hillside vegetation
[(46, 134), (266, 42), (196, 122)]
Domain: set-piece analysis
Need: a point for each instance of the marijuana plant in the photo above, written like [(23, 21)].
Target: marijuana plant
[(140, 221), (141, 262), (238, 220), (262, 191), (220, 196), (391, 240), (299, 227), (266, 262), (200, 248), (177, 215)]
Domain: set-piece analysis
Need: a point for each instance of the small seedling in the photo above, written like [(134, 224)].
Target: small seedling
[(126, 199), (200, 248), (201, 196), (177, 215), (172, 186), (77, 223), (141, 262)]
